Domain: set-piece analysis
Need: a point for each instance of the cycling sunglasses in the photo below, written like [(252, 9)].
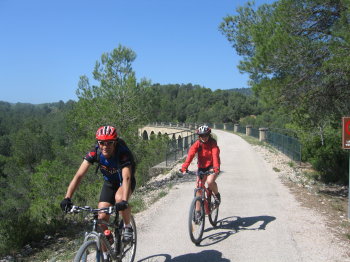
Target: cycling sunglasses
[(105, 143)]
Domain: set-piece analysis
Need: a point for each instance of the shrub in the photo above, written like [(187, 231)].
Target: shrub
[(327, 158)]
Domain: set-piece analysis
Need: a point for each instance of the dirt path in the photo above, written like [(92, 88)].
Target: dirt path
[(260, 219)]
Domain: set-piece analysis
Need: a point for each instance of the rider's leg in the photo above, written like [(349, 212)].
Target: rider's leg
[(199, 192), (214, 187), (124, 192), (126, 214), (106, 200), (105, 217), (198, 204), (212, 184)]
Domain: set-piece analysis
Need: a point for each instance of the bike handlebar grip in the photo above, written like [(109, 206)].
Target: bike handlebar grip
[(121, 206), (73, 210)]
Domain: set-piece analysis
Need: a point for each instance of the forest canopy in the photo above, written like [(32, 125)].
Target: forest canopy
[(297, 56)]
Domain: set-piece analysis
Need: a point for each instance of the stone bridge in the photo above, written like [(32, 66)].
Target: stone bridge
[(183, 134)]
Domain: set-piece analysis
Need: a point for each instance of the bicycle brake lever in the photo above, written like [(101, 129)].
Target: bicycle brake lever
[(73, 210)]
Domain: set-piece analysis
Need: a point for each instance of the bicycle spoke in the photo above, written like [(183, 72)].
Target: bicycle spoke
[(88, 252), (214, 212), (196, 220), (129, 250)]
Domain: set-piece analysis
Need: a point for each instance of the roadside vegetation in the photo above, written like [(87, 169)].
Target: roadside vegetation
[(297, 56)]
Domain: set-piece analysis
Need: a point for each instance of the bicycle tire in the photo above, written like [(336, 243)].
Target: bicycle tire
[(129, 250), (89, 252), (214, 211), (195, 225)]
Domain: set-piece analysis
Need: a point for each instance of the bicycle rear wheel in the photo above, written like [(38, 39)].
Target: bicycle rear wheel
[(196, 220), (129, 249), (214, 211), (89, 251)]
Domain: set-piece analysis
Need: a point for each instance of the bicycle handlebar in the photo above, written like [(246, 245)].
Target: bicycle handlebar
[(108, 210), (200, 173)]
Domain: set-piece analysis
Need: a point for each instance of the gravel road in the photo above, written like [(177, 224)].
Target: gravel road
[(259, 219)]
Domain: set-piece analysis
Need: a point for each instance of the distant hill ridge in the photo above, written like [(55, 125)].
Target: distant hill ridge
[(244, 91)]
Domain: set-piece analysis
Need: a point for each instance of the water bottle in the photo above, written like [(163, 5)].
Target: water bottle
[(109, 236)]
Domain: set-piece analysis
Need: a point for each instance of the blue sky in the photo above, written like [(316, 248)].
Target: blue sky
[(47, 45)]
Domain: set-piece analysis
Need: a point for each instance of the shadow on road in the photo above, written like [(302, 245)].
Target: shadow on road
[(245, 223), (233, 225), (203, 256)]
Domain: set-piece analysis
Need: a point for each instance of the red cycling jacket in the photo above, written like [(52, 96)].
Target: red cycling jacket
[(208, 155)]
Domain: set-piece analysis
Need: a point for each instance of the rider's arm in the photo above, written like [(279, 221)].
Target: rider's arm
[(126, 185), (216, 158), (191, 153), (84, 167)]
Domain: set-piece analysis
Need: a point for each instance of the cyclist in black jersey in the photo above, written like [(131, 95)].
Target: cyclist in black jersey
[(115, 162)]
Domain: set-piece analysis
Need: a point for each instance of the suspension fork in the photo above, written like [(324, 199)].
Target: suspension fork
[(117, 234)]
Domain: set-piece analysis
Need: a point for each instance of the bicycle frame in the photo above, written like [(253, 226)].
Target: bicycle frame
[(100, 238), (205, 192), (98, 235)]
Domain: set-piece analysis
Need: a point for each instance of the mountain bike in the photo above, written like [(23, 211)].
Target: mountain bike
[(91, 249), (202, 204)]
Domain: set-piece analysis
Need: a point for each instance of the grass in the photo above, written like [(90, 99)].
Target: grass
[(162, 194), (254, 141), (170, 185), (337, 205), (251, 140), (62, 250), (312, 175), (346, 225), (276, 169), (291, 164), (159, 196), (53, 254), (137, 203)]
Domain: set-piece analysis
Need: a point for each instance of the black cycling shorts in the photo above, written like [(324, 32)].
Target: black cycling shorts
[(205, 169), (109, 189)]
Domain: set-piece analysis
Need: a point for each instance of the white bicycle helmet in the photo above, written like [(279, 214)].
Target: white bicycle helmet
[(203, 130)]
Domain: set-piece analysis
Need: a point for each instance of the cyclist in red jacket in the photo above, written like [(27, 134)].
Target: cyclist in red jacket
[(208, 154)]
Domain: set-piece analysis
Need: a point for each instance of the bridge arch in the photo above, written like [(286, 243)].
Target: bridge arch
[(152, 136), (145, 135), (180, 137), (180, 143)]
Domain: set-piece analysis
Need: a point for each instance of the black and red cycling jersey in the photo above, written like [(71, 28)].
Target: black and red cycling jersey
[(111, 167), (208, 155)]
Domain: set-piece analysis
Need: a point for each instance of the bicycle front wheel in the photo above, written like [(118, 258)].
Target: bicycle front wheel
[(89, 251), (196, 220), (129, 249), (214, 211)]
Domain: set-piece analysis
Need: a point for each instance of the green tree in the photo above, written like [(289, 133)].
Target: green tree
[(117, 100), (296, 55), (287, 49)]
